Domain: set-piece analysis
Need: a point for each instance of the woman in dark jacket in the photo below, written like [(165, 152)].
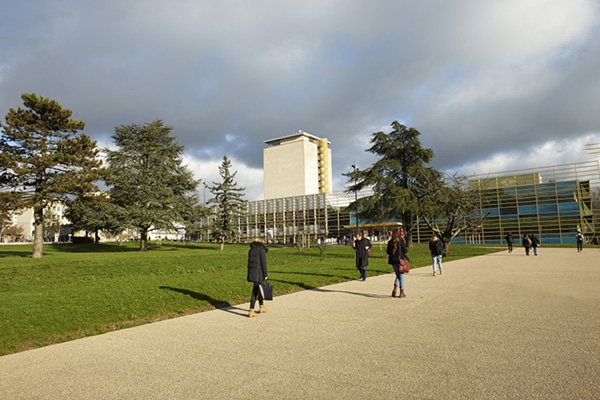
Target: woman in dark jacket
[(361, 245), (257, 273), (396, 249)]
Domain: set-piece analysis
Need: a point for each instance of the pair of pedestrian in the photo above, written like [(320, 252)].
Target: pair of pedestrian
[(530, 242)]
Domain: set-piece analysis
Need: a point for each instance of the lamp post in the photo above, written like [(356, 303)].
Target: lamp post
[(355, 170)]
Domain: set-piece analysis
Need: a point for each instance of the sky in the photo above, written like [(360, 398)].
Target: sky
[(491, 85)]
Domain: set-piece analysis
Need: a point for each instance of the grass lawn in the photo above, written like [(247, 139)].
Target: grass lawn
[(75, 291)]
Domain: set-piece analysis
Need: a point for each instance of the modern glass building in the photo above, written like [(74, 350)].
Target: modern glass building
[(551, 202), (554, 203)]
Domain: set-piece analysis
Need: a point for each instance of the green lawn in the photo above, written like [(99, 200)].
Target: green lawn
[(82, 290)]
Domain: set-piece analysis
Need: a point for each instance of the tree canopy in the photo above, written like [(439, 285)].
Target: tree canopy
[(448, 206), (44, 158), (147, 179), (402, 161)]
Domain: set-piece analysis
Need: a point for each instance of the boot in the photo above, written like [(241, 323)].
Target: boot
[(263, 309), (252, 313), (402, 294), (394, 291)]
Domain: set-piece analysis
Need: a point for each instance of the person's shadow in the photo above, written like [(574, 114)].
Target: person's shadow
[(217, 304)]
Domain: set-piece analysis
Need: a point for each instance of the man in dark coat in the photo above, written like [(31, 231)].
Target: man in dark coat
[(362, 247), (257, 273)]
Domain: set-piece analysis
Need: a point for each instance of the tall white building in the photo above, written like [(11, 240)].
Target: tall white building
[(297, 165)]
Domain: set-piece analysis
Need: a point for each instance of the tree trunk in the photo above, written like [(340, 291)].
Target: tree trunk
[(222, 242), (38, 232), (144, 240)]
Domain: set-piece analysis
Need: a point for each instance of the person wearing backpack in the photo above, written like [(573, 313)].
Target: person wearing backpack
[(436, 248)]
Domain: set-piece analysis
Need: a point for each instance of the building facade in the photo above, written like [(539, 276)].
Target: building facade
[(554, 203), (551, 202), (296, 165)]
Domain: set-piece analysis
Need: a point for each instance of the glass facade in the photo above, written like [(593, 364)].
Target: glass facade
[(551, 202)]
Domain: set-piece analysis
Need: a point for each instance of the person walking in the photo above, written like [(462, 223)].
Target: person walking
[(535, 243), (579, 239), (526, 243), (257, 273), (436, 248), (510, 240), (362, 247), (396, 250)]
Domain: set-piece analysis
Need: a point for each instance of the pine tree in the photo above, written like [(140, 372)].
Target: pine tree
[(44, 159), (229, 203)]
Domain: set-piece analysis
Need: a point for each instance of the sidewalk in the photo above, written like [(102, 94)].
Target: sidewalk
[(500, 326)]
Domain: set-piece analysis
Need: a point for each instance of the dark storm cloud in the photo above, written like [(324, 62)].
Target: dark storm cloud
[(477, 79)]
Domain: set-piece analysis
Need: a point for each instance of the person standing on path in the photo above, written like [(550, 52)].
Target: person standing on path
[(526, 243), (257, 273), (396, 249), (510, 240), (361, 245), (535, 243), (579, 238), (436, 248)]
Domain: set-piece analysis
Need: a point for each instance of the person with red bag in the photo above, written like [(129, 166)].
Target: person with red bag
[(396, 250)]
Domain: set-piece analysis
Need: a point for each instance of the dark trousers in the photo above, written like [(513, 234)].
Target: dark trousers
[(256, 294), (363, 272)]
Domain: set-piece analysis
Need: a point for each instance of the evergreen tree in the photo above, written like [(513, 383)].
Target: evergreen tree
[(94, 213), (147, 179), (44, 158), (228, 202), (402, 161)]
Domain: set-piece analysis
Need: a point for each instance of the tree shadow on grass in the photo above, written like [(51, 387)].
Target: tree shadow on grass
[(217, 304)]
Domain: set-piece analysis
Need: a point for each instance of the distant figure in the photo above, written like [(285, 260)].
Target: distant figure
[(361, 245), (510, 240), (526, 243), (579, 238), (257, 273), (436, 248), (396, 250), (535, 243)]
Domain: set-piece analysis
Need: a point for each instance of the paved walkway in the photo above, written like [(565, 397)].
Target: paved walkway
[(501, 326)]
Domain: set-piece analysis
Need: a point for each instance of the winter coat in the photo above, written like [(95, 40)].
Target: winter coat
[(394, 257), (436, 248), (257, 262), (534, 241), (362, 255)]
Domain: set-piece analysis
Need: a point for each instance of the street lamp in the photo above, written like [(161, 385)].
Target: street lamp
[(355, 170)]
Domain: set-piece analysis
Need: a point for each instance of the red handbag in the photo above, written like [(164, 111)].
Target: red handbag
[(404, 266)]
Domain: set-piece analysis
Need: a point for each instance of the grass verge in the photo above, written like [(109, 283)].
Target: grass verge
[(75, 291)]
